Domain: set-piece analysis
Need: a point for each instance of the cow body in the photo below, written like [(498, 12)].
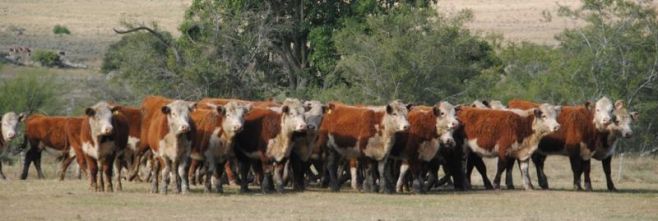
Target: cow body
[(167, 131), (8, 124), (304, 143), (49, 134), (503, 134), (351, 132)]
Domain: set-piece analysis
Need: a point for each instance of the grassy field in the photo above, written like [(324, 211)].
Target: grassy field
[(70, 200)]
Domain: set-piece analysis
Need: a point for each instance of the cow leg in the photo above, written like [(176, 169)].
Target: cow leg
[(385, 178), (155, 174), (404, 167), (119, 166), (2, 174), (502, 165), (606, 169), (433, 171), (64, 166), (298, 171), (92, 167), (230, 175), (587, 165), (482, 169), (332, 167), (277, 174), (524, 165), (165, 174), (217, 175), (576, 168), (37, 165), (244, 172), (470, 164), (417, 176), (192, 172), (107, 170), (137, 161), (354, 174), (183, 167), (538, 160), (207, 182), (509, 180), (369, 182)]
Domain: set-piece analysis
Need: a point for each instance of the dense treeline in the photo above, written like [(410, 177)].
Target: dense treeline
[(376, 50)]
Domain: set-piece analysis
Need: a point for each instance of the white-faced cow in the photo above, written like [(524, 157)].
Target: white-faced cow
[(9, 122)]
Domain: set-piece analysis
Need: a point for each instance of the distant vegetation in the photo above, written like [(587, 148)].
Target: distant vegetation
[(61, 30), (373, 51), (46, 58)]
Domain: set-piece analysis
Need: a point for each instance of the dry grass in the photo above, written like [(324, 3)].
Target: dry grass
[(68, 200)]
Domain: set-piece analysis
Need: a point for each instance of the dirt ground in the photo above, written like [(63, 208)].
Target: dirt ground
[(70, 200)]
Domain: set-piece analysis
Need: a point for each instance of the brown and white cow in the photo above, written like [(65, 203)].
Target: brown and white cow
[(581, 125), (503, 134), (49, 134), (212, 144), (8, 125), (167, 130), (352, 132), (132, 155), (430, 127), (267, 141), (97, 139)]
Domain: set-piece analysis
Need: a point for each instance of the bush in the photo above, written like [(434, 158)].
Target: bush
[(61, 30), (29, 92), (46, 58)]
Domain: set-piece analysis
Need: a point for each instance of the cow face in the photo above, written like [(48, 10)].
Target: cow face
[(602, 113), (292, 116), (100, 118), (546, 118), (480, 104), (9, 122), (313, 112), (395, 118), (622, 120), (233, 113), (178, 115), (446, 122), (497, 105)]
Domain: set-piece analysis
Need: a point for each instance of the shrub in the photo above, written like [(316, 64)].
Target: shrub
[(61, 30), (46, 58)]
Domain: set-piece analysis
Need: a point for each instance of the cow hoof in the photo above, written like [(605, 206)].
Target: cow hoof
[(244, 190), (510, 187), (335, 188), (588, 187)]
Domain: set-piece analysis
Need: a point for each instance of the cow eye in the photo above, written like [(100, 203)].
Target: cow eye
[(441, 114)]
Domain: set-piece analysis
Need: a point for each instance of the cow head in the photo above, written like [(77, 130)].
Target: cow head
[(233, 113), (313, 112), (622, 119), (9, 122), (395, 118), (497, 105), (546, 118), (178, 115), (602, 113), (100, 118), (480, 104), (446, 122), (292, 116)]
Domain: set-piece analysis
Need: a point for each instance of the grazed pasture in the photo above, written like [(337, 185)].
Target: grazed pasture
[(70, 200)]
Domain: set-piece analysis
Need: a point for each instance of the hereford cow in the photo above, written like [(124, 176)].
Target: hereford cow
[(267, 141), (102, 133), (134, 151), (352, 132), (8, 125), (168, 131), (304, 143), (430, 127), (504, 134), (50, 134), (213, 141), (589, 132)]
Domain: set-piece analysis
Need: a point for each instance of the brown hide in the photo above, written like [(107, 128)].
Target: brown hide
[(349, 125)]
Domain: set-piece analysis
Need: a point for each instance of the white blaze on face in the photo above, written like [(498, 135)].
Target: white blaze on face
[(100, 118), (292, 115), (622, 120), (396, 116), (602, 113), (313, 112), (497, 105), (178, 115), (480, 104), (9, 122), (446, 122), (546, 118), (234, 113)]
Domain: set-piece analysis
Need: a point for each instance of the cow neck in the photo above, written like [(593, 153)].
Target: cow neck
[(282, 139), (527, 135)]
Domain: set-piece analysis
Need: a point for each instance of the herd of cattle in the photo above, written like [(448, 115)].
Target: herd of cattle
[(377, 148)]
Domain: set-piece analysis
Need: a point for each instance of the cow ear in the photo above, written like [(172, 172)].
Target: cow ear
[(486, 103), (192, 106), (619, 104), (458, 108), (635, 116), (436, 110), (325, 109), (221, 110), (165, 109), (409, 107), (285, 109), (537, 113), (115, 109), (307, 106), (90, 111), (557, 109), (389, 109), (21, 117), (247, 107)]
